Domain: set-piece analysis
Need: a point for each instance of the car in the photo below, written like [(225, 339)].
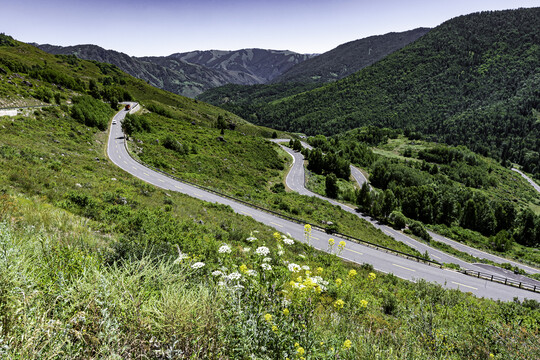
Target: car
[(114, 122)]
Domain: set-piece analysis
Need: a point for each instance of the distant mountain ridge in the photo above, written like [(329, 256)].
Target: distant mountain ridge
[(192, 73), (349, 58)]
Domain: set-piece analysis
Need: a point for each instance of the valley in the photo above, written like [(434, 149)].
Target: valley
[(323, 206)]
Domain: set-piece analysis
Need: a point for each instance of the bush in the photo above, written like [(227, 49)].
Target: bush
[(91, 112), (417, 229)]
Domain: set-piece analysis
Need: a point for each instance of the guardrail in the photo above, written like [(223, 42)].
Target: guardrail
[(287, 217), (474, 273), (502, 280)]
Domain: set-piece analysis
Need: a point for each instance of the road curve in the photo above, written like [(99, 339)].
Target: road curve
[(296, 181), (384, 262), (531, 181)]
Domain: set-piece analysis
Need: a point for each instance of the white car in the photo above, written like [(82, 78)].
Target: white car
[(114, 122)]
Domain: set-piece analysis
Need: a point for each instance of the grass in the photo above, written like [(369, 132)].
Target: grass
[(61, 298)]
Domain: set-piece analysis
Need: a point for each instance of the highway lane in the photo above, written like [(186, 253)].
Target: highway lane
[(296, 181), (385, 262), (531, 181)]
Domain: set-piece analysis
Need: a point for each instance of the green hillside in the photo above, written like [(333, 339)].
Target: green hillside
[(95, 264), (473, 80)]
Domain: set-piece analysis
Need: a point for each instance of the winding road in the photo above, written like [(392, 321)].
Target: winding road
[(381, 261), (296, 181)]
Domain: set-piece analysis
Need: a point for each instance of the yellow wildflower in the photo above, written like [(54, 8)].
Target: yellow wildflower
[(274, 328), (292, 283), (491, 356), (338, 281), (277, 236), (307, 228), (363, 303), (338, 304), (243, 268), (267, 317), (286, 312), (308, 272), (296, 345), (347, 344), (331, 242), (300, 351), (322, 343), (320, 270), (299, 279), (372, 276), (341, 245), (352, 273), (318, 289), (332, 349)]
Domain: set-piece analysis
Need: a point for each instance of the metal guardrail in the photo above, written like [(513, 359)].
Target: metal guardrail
[(490, 277), (286, 217), (502, 280)]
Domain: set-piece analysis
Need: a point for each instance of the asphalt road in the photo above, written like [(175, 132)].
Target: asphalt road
[(381, 261), (531, 181), (296, 181)]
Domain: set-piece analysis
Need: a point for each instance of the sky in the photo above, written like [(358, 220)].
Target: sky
[(164, 27)]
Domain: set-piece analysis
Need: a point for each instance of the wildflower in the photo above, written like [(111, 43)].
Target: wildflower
[(320, 270), (262, 251), (332, 349), (221, 283), (341, 245), (308, 272), (331, 242), (296, 345), (305, 267), (277, 236), (307, 228), (267, 317), (491, 356), (363, 303), (274, 328), (286, 302), (225, 249), (286, 312), (300, 351), (338, 304), (352, 273), (251, 239), (322, 343), (347, 344), (217, 273), (246, 249), (243, 268), (372, 276), (288, 241), (238, 287), (294, 267), (266, 267), (299, 279), (280, 252), (302, 256), (234, 276), (197, 265), (251, 273), (267, 259), (338, 281), (181, 257)]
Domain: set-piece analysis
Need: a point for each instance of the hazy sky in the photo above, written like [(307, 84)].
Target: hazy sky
[(163, 27)]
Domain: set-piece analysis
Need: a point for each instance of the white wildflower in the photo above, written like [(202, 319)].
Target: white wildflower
[(286, 302), (251, 273), (280, 253), (267, 259), (221, 283), (266, 267), (197, 265), (234, 276), (294, 267), (246, 249), (217, 273), (251, 239), (302, 256), (225, 249), (238, 287), (288, 241), (305, 267), (262, 251)]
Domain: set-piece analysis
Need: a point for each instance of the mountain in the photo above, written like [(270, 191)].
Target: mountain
[(311, 73), (474, 80), (190, 74), (251, 66), (349, 58)]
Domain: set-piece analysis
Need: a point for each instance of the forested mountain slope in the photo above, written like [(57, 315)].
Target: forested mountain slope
[(473, 80), (349, 58)]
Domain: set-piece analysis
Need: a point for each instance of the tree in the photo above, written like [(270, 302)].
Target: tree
[(332, 188), (469, 217), (389, 203), (363, 200), (221, 124)]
